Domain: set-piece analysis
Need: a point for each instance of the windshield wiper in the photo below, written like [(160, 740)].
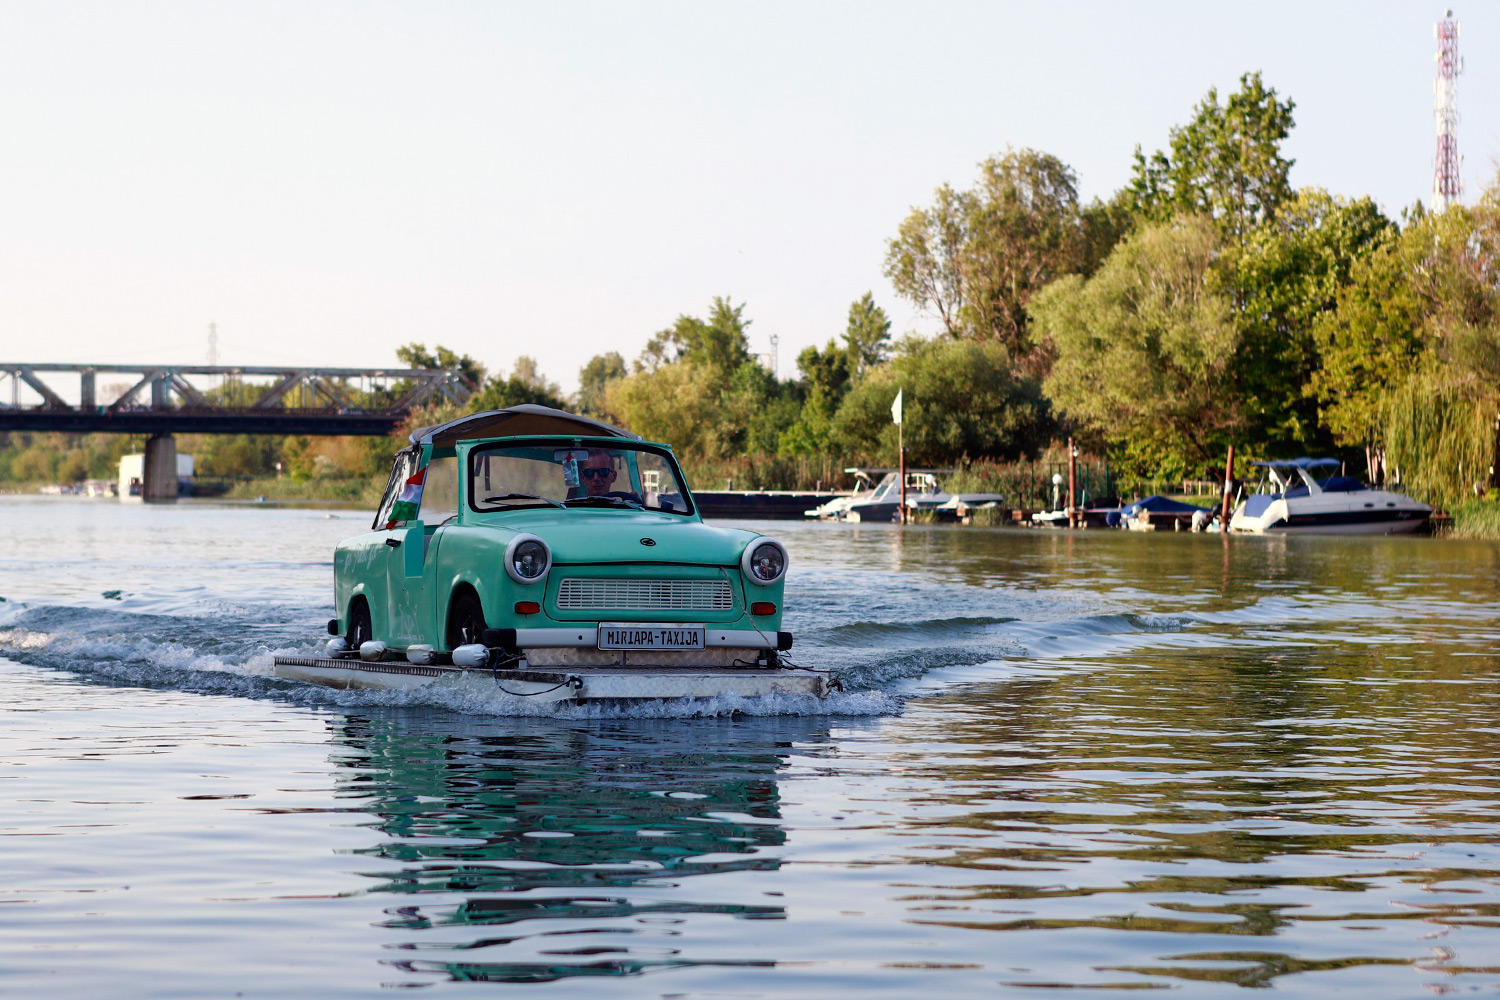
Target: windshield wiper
[(520, 496), (612, 500)]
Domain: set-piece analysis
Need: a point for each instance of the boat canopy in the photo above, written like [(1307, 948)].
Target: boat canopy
[(1153, 504), (1160, 505), (524, 418), (1300, 463)]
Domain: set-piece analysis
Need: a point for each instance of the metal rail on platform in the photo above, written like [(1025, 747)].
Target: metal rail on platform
[(166, 399)]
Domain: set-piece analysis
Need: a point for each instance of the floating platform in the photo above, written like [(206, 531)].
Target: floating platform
[(575, 683), (782, 505)]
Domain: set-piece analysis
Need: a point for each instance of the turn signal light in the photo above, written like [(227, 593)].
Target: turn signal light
[(763, 608), (528, 608)]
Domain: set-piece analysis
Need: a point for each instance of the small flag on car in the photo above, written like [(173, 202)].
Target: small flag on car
[(405, 507)]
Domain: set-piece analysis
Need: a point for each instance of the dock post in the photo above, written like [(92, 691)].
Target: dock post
[(159, 478), (1072, 484), (1228, 486), (901, 461)]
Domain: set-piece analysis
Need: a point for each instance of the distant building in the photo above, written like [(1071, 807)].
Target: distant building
[(133, 473)]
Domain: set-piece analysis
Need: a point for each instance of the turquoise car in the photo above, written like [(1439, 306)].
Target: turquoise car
[(551, 539)]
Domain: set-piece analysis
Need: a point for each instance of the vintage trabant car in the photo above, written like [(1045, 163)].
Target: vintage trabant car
[(563, 557)]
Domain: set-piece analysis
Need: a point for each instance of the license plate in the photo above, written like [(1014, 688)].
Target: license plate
[(650, 637)]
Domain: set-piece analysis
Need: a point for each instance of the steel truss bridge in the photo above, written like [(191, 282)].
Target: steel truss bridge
[(210, 399)]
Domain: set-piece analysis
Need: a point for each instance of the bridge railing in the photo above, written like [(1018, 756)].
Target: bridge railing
[(218, 398)]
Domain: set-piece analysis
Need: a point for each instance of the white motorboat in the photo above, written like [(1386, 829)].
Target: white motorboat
[(922, 493), (1291, 497), (837, 508)]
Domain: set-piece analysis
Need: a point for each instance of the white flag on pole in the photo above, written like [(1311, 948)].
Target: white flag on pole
[(896, 408)]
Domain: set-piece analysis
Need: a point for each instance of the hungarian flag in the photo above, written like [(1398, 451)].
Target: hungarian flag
[(405, 507)]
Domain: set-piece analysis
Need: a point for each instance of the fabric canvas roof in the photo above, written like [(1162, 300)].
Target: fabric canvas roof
[(1162, 505), (524, 418), (1300, 463)]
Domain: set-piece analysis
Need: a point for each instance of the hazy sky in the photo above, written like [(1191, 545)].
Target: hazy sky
[(329, 180)]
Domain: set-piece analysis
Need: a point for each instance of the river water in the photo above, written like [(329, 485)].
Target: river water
[(1099, 760)]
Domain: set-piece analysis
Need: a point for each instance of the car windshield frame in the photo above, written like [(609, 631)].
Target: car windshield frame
[(474, 502)]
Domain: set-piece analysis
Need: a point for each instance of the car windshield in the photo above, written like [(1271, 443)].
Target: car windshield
[(505, 476)]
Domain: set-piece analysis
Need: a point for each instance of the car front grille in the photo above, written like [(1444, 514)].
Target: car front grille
[(596, 594)]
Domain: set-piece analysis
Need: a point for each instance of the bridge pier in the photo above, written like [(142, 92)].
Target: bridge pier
[(159, 478)]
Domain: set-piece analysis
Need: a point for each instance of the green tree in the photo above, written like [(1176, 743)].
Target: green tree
[(1286, 274), (670, 403), (498, 393), (1104, 225), (1025, 231), (959, 398), (1225, 163), (811, 433), (1146, 346), (36, 464), (924, 261), (826, 375), (417, 356), (826, 371), (1411, 353), (237, 455), (976, 257), (716, 346), (594, 378), (527, 370), (867, 336), (697, 386)]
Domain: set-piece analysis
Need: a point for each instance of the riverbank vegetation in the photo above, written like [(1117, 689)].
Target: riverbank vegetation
[(1206, 303)]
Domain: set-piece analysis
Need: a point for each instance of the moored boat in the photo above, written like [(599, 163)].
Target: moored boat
[(837, 508), (922, 493), (1291, 498)]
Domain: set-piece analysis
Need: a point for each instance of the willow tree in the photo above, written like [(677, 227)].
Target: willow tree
[(1411, 354)]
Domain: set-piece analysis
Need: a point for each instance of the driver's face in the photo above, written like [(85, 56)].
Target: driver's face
[(598, 474)]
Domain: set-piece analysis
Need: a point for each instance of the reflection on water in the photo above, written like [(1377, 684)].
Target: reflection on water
[(531, 853), (1106, 761)]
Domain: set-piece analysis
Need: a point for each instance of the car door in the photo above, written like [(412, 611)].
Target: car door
[(409, 576)]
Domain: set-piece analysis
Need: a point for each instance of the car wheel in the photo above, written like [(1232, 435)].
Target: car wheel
[(360, 630), (466, 620)]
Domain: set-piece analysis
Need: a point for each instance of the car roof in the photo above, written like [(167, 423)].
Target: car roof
[(522, 419)]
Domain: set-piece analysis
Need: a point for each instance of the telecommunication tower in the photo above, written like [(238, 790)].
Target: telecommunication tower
[(1446, 183)]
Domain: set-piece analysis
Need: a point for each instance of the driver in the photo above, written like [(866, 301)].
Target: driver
[(598, 473)]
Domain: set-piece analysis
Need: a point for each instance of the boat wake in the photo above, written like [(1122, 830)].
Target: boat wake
[(878, 664), (230, 653)]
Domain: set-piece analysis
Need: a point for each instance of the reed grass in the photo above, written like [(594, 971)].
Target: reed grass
[(361, 492), (1477, 518)]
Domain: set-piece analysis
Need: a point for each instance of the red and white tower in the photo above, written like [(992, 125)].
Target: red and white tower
[(1446, 183)]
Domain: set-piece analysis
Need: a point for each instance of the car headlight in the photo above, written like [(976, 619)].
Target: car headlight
[(527, 559), (764, 561)]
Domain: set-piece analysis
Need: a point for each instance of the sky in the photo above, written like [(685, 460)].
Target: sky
[(326, 181)]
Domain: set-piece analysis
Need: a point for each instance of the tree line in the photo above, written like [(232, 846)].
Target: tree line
[(1206, 303)]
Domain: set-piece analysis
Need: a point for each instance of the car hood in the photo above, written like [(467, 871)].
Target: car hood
[(615, 536)]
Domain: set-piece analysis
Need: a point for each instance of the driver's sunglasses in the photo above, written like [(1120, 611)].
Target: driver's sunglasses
[(596, 473)]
